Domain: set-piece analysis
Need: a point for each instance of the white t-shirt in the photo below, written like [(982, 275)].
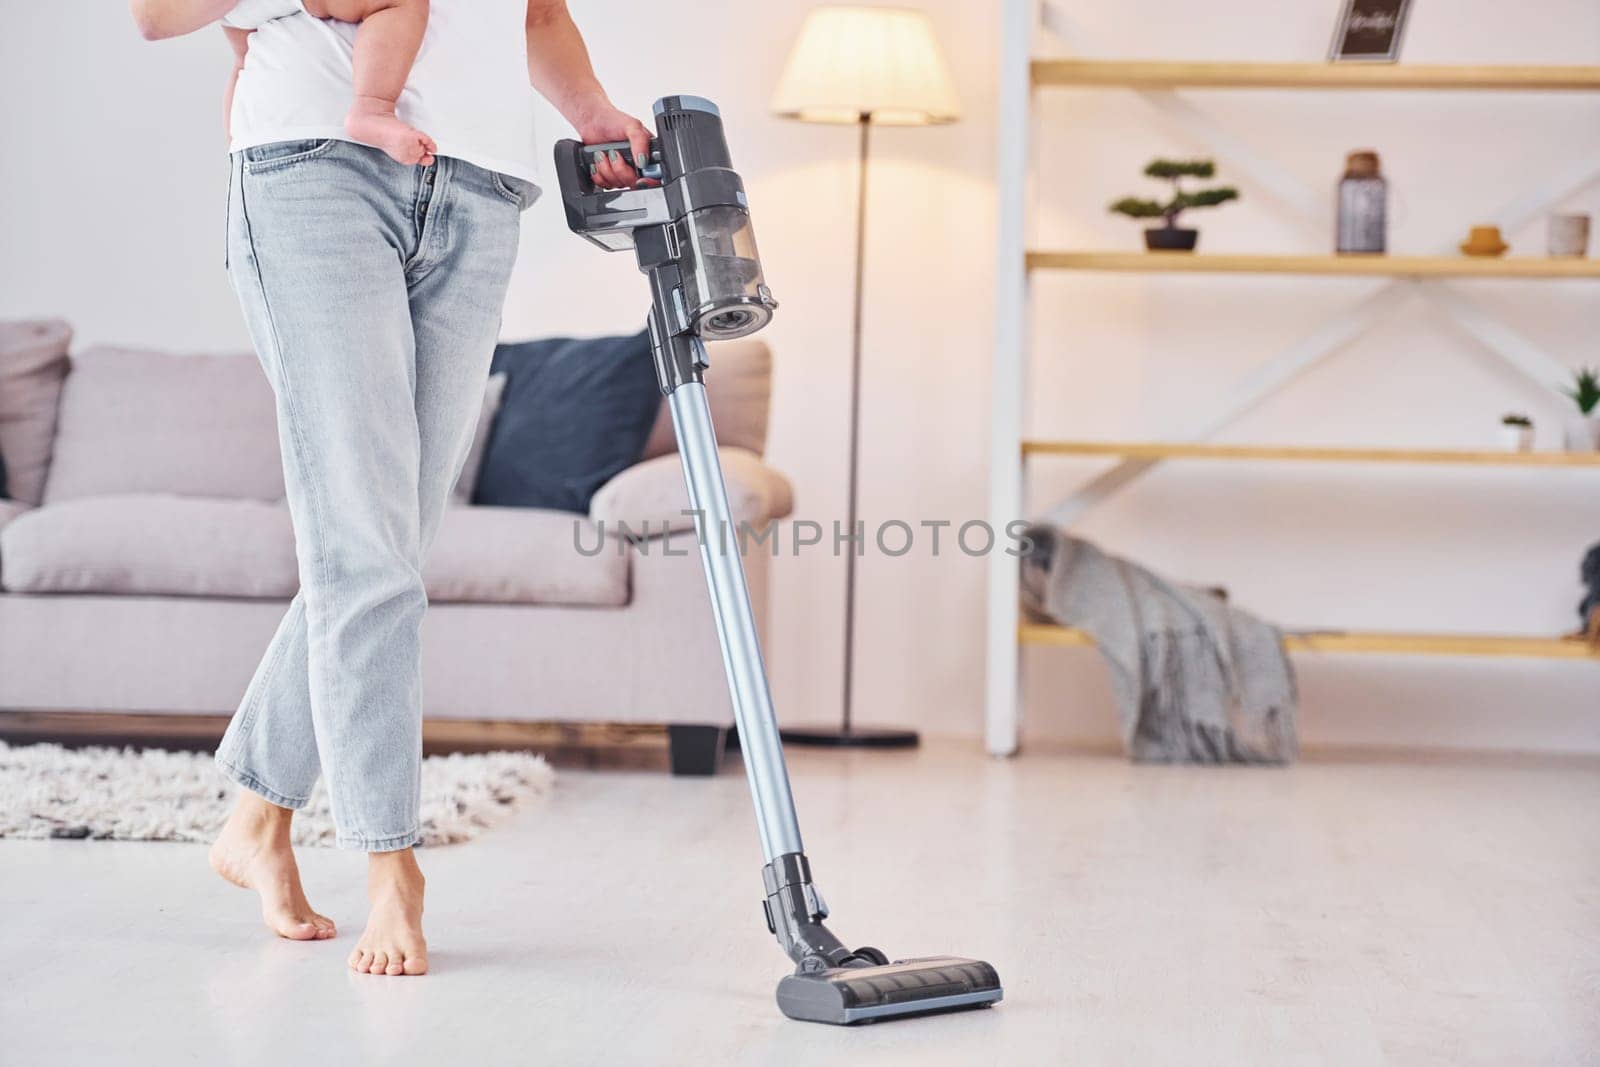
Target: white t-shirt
[(468, 90)]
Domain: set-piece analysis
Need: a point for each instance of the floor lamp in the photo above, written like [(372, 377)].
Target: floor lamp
[(863, 66)]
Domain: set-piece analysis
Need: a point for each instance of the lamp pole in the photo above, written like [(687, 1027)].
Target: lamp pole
[(848, 735)]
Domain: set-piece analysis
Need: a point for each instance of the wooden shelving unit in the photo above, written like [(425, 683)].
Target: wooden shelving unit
[(1143, 74), (1362, 265), (1375, 642), (1313, 454), (1021, 262)]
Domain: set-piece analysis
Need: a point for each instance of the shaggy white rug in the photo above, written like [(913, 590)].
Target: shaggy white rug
[(154, 795)]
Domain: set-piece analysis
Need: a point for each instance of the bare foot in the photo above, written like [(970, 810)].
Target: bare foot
[(373, 121), (253, 852), (393, 943)]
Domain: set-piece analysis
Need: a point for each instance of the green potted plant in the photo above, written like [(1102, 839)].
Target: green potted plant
[(1516, 432), (1583, 429), (1169, 236)]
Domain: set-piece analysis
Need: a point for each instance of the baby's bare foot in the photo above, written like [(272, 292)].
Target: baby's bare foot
[(393, 943), (373, 121), (253, 852)]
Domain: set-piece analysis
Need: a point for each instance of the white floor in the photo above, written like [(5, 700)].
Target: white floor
[(1355, 911)]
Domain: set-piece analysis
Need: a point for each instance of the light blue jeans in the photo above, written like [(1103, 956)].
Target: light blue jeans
[(373, 294)]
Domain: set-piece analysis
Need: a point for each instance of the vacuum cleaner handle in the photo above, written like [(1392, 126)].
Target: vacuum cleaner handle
[(574, 158), (651, 171), (607, 217)]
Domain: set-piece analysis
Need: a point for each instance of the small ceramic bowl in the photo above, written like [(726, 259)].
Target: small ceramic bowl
[(1484, 241)]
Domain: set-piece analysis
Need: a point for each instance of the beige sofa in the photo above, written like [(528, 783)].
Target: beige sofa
[(147, 570)]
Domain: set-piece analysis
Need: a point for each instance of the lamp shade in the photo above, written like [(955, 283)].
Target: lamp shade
[(883, 63)]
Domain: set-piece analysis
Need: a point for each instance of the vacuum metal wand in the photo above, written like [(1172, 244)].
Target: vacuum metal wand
[(736, 624)]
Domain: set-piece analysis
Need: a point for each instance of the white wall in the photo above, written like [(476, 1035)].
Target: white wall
[(113, 179)]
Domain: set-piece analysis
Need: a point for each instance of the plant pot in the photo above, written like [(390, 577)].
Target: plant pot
[(1171, 239), (1583, 433), (1516, 438)]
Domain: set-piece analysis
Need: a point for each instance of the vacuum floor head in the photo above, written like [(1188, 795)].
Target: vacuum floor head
[(845, 995)]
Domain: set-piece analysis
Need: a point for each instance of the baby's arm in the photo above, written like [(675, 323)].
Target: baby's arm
[(240, 42), (386, 46)]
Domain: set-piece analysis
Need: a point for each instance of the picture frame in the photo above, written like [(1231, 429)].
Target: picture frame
[(1369, 31)]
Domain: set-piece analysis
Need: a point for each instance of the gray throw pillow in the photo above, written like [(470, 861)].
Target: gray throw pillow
[(33, 364)]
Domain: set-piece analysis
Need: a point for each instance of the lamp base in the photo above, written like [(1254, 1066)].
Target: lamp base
[(850, 737)]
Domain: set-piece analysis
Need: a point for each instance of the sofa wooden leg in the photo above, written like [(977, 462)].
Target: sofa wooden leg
[(695, 749)]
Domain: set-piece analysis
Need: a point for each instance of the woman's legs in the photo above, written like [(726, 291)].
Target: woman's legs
[(317, 261), (451, 231), (455, 311)]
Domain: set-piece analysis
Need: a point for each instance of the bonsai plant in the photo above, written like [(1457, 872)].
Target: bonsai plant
[(1583, 431), (1516, 432), (1169, 237)]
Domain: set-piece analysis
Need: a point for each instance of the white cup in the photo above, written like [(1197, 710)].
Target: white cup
[(1568, 235)]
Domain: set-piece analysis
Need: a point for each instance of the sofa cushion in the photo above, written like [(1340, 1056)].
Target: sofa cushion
[(9, 509), (650, 498), (739, 390), (151, 544), (166, 545), (33, 362), (575, 412), (153, 422), (523, 556)]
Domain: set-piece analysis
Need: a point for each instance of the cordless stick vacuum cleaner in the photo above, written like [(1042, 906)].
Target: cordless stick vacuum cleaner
[(692, 236)]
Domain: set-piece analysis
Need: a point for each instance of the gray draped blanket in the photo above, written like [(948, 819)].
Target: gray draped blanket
[(1196, 681)]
